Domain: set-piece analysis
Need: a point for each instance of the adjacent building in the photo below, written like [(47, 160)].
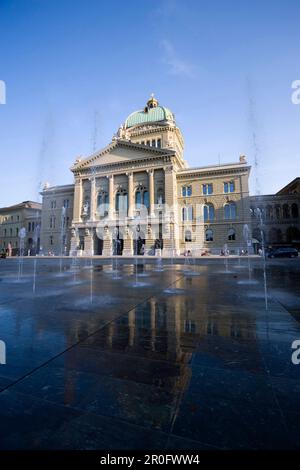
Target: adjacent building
[(26, 216), (280, 215)]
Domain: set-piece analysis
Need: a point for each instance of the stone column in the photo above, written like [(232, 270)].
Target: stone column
[(77, 201), (149, 242), (88, 242), (128, 243), (130, 194), (74, 242), (111, 197), (93, 199), (107, 243), (151, 191)]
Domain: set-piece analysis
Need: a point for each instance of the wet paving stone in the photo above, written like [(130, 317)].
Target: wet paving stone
[(184, 357)]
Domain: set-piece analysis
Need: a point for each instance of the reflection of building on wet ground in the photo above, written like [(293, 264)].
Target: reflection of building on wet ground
[(143, 368), (171, 331)]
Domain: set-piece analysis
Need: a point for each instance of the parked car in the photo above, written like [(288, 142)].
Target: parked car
[(283, 253)]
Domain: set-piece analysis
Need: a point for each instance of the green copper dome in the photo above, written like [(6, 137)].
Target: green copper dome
[(152, 113)]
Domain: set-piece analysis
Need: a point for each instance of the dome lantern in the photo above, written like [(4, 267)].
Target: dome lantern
[(151, 103)]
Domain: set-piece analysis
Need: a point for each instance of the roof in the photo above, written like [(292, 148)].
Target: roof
[(213, 168), (23, 205), (290, 188), (146, 116), (119, 143)]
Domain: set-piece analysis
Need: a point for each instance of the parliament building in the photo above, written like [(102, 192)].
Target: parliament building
[(138, 196)]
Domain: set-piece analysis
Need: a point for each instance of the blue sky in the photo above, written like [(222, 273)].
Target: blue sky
[(225, 68)]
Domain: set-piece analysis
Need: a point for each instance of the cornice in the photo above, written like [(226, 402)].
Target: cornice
[(144, 164), (125, 144), (194, 173)]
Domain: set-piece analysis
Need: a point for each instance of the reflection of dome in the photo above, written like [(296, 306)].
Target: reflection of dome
[(152, 113)]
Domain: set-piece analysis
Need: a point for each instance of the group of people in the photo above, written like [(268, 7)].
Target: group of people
[(6, 252)]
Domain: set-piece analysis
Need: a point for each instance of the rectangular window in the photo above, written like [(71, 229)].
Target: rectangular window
[(143, 142), (148, 142), (207, 188), (153, 143), (229, 187), (29, 226), (159, 143)]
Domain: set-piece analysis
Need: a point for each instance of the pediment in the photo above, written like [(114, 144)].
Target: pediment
[(119, 152)]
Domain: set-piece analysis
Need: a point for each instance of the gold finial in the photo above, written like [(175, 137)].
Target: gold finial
[(152, 102)]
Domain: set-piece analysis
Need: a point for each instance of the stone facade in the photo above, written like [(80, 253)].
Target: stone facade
[(280, 216), (129, 198), (26, 215), (138, 196), (57, 216)]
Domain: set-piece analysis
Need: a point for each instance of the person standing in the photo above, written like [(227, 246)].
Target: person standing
[(9, 249)]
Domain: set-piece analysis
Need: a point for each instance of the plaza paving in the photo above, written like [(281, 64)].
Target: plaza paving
[(149, 356)]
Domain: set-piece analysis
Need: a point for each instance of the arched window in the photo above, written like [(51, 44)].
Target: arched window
[(138, 197), (121, 201), (102, 203), (273, 234), (277, 211), (286, 211), (146, 199), (209, 235), (292, 234), (142, 197), (187, 213), (231, 234), (295, 211), (208, 212), (269, 212), (160, 196), (188, 236), (230, 211)]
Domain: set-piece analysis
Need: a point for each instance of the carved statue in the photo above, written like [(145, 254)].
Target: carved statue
[(85, 209)]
